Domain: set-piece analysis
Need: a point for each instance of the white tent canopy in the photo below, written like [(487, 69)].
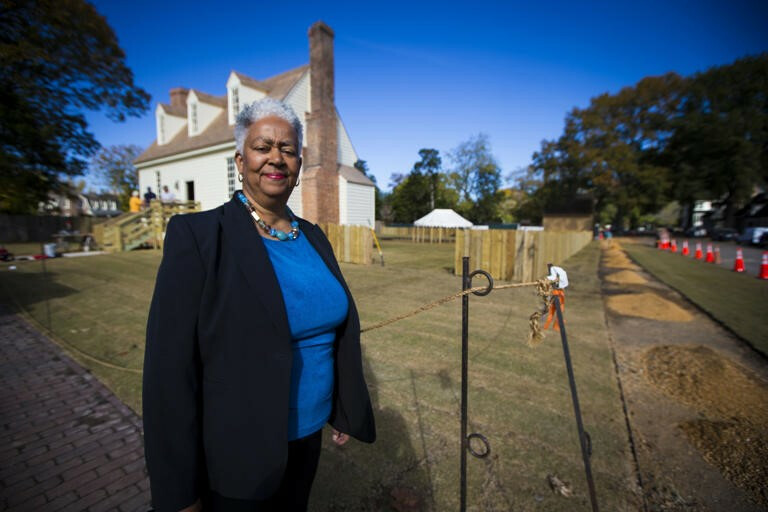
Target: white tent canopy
[(443, 218)]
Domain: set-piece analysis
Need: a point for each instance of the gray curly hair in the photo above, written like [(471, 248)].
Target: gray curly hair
[(260, 109)]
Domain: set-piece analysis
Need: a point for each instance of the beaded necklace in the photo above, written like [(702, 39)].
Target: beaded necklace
[(280, 235)]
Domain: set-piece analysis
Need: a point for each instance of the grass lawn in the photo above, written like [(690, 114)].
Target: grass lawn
[(518, 396), (24, 248), (736, 300)]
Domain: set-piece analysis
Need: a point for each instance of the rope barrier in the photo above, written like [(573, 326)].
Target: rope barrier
[(543, 289), (61, 342)]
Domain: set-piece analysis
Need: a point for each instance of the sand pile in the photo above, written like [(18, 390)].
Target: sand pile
[(734, 434), (626, 277), (617, 259), (714, 384), (648, 305)]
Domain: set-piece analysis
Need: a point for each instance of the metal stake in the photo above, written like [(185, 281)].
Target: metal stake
[(466, 282), (583, 436)]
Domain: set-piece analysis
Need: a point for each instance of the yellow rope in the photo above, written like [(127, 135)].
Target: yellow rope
[(543, 289)]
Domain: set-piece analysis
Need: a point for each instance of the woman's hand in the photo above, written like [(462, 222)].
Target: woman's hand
[(339, 437)]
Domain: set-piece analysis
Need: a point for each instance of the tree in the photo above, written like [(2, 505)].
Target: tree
[(422, 190), (719, 143), (610, 150), (666, 137), (429, 165), (476, 179), (113, 166), (57, 59), (362, 166)]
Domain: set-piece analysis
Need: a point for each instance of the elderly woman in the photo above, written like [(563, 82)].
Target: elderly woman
[(253, 341)]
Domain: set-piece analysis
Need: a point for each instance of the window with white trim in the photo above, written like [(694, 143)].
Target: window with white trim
[(193, 116), (235, 102), (157, 180), (162, 129), (230, 176)]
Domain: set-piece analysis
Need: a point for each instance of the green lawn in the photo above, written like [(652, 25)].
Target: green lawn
[(738, 301), (518, 396)]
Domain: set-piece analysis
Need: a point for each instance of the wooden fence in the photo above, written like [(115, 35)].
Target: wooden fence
[(351, 244), (418, 234), (522, 256)]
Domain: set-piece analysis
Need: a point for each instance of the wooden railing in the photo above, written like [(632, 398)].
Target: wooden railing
[(147, 227)]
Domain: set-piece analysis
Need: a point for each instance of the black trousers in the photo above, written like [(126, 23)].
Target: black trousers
[(293, 494)]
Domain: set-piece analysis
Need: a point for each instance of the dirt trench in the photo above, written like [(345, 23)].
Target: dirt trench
[(696, 397)]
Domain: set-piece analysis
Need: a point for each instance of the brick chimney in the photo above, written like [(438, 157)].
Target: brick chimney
[(319, 181), (179, 97)]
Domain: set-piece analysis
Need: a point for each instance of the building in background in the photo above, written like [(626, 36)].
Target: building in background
[(194, 151)]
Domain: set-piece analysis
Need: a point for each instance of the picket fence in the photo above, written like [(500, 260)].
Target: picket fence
[(351, 244), (511, 255)]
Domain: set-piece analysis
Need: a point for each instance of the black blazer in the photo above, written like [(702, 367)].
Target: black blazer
[(218, 362)]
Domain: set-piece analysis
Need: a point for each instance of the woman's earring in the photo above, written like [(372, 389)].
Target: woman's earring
[(298, 180), (240, 177)]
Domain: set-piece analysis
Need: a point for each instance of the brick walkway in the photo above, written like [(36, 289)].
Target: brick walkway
[(66, 442)]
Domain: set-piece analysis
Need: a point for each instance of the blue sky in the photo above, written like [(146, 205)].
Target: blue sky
[(412, 75)]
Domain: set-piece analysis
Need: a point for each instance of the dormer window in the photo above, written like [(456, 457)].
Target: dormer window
[(162, 129), (193, 116), (235, 101)]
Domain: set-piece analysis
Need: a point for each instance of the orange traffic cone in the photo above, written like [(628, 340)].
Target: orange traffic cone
[(698, 254), (738, 265), (717, 255), (764, 267), (710, 255), (685, 251), (673, 246)]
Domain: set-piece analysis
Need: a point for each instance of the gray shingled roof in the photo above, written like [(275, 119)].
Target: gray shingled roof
[(352, 175), (219, 131)]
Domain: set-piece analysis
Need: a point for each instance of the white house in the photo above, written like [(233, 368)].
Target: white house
[(194, 151)]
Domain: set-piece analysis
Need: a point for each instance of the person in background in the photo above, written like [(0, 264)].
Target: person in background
[(149, 196), (253, 341), (166, 196), (134, 203)]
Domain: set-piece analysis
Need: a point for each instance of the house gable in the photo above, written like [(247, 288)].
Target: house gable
[(202, 109), (169, 122), (242, 90)]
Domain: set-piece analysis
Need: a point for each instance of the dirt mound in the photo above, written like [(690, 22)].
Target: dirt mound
[(700, 377), (737, 449), (734, 436), (626, 277), (617, 259), (648, 305)]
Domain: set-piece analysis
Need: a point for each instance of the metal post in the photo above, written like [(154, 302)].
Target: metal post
[(583, 437), (466, 281)]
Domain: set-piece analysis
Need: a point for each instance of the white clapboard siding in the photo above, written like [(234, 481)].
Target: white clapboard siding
[(298, 99), (208, 171), (346, 152), (356, 203), (171, 125)]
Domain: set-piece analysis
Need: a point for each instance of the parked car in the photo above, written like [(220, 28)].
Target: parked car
[(752, 235), (696, 232), (763, 241), (724, 234)]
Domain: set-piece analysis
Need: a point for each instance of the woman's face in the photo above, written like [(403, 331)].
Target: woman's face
[(270, 161)]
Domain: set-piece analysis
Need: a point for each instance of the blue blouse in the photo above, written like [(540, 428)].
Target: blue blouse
[(316, 304)]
